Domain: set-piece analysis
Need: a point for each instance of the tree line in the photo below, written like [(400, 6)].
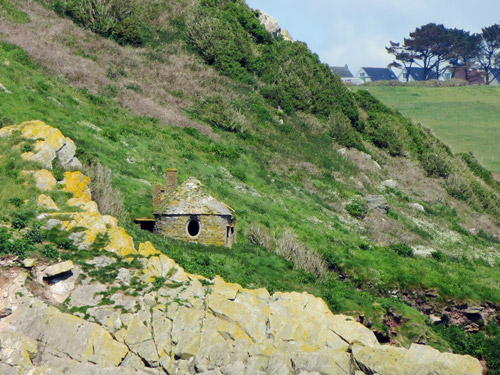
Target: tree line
[(434, 48)]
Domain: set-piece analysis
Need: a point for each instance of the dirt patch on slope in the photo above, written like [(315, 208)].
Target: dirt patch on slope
[(145, 80)]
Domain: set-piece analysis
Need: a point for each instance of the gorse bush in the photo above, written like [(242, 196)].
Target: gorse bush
[(228, 35), (219, 113), (109, 18), (435, 165), (341, 130), (357, 208), (402, 250), (458, 187)]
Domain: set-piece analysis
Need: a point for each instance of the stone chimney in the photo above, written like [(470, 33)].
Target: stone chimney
[(171, 176), (158, 191)]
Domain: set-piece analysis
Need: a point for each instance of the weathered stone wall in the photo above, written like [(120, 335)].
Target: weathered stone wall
[(213, 228)]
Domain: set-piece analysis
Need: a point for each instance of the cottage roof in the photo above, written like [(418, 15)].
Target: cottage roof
[(380, 74), (190, 198), (342, 71), (418, 73)]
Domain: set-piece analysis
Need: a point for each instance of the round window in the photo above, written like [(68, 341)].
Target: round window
[(193, 227)]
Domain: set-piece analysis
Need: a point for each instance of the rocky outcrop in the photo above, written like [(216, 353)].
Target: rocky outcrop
[(272, 26), (158, 319), (377, 203), (49, 144)]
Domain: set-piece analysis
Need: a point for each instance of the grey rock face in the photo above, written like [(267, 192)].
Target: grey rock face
[(378, 203)]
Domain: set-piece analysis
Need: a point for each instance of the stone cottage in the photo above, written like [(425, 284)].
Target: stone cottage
[(187, 212)]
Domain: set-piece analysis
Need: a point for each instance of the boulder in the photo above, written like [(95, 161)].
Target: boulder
[(44, 201), (390, 184), (29, 262), (44, 180), (417, 207), (58, 268), (377, 203), (4, 89)]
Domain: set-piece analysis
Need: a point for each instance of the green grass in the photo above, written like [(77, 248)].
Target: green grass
[(9, 12), (466, 117)]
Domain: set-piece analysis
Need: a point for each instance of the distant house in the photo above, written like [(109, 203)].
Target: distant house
[(417, 74), (376, 74), (345, 74), (494, 77), (473, 76), (342, 71)]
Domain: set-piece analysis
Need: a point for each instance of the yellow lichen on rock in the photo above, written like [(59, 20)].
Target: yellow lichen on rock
[(44, 180), (47, 136), (50, 143), (163, 266), (120, 242), (146, 249), (44, 201), (78, 184)]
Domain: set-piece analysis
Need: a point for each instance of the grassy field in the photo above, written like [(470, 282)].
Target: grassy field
[(465, 118)]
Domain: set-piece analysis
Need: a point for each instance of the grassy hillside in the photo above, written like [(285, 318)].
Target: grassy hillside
[(466, 117), (264, 137)]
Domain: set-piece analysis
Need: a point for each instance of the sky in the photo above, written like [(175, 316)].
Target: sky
[(356, 32)]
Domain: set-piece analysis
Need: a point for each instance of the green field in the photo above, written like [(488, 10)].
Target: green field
[(465, 118)]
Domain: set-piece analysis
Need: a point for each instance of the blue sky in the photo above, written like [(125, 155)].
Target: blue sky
[(355, 32)]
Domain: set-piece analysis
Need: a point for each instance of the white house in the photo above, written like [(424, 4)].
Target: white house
[(367, 74)]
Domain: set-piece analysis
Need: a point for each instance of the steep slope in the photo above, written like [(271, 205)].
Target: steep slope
[(307, 167), (152, 317), (465, 116)]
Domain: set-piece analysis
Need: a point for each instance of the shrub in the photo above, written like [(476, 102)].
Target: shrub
[(109, 18), (27, 147), (438, 255), (109, 200), (221, 41), (18, 247), (259, 236), (17, 202), (435, 165), (34, 236), (219, 113), (341, 130), (302, 257), (5, 237), (402, 250), (18, 223), (478, 169), (357, 208), (50, 252), (385, 133), (458, 188)]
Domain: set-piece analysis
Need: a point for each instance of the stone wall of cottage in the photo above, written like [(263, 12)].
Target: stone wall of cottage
[(213, 228)]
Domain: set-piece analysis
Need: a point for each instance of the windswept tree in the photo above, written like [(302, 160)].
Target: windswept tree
[(403, 58), (465, 50), (428, 47), (489, 55)]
